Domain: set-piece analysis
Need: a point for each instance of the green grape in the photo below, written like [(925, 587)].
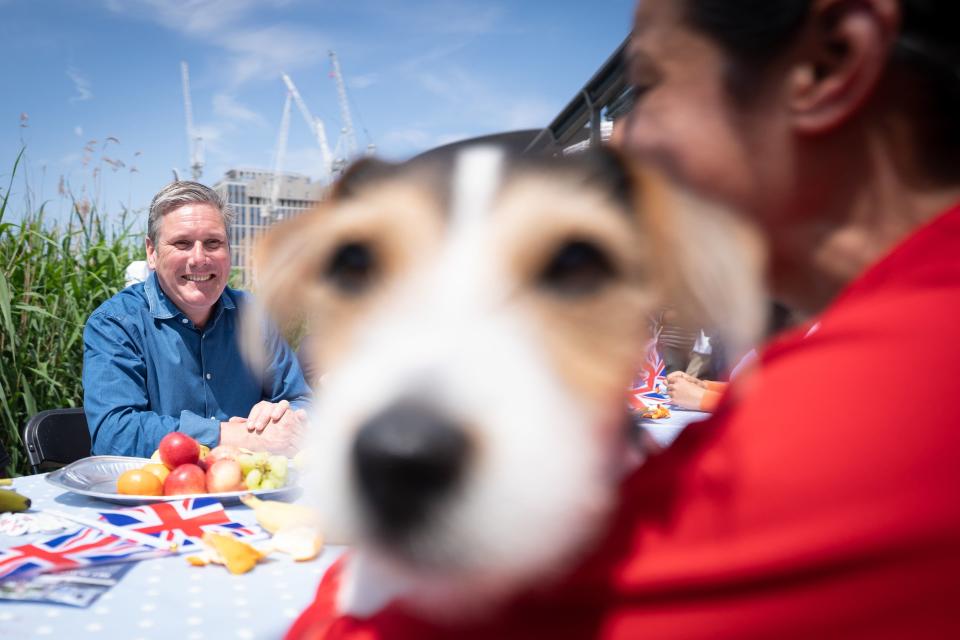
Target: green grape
[(278, 467), (246, 463), (270, 483), (253, 479), (260, 458)]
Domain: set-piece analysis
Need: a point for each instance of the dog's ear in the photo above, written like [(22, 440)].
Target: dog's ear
[(606, 168), (359, 174), (278, 270), (280, 261), (275, 263), (710, 263)]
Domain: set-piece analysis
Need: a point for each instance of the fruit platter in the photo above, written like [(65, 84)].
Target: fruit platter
[(179, 467)]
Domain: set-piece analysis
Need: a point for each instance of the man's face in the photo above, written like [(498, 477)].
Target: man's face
[(191, 258)]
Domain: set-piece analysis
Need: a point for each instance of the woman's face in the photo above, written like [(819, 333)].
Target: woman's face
[(686, 122)]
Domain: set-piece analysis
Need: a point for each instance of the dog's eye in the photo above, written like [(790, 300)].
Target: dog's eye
[(352, 268), (579, 267)]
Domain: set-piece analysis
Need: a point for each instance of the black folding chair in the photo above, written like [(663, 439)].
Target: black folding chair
[(56, 438), (4, 462)]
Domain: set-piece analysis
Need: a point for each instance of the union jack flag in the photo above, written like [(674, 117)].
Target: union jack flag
[(650, 383), (79, 548), (182, 522)]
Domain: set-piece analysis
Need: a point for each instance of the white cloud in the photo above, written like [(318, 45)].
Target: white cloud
[(442, 17), (404, 142), (485, 103), (213, 140), (78, 131), (226, 107), (81, 85), (264, 52), (212, 137), (407, 137), (458, 17), (254, 51), (426, 59), (363, 81), (435, 84), (197, 17), (447, 138), (528, 113), (305, 160)]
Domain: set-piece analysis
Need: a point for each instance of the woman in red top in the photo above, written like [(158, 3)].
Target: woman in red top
[(797, 511)]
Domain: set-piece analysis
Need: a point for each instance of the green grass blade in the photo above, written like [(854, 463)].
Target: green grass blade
[(8, 329)]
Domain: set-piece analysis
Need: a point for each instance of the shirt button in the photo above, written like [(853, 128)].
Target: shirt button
[(209, 376), (185, 321)]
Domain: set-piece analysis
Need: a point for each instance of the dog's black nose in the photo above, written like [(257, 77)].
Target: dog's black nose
[(405, 459)]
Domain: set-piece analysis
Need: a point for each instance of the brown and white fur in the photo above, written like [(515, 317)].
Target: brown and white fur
[(479, 316)]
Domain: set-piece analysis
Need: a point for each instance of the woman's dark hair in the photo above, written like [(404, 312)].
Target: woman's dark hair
[(755, 31)]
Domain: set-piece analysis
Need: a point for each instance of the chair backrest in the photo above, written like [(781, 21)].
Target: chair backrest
[(4, 462), (56, 437)]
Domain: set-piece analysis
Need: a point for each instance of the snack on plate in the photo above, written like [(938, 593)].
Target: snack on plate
[(239, 557), (656, 413)]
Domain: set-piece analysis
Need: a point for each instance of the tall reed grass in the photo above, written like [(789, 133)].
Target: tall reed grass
[(52, 276)]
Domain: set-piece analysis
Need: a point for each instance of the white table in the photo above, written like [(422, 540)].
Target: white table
[(666, 430), (165, 598)]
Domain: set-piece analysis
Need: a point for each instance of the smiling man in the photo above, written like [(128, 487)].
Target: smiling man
[(164, 355)]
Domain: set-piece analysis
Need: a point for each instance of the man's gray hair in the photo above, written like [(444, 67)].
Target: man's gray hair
[(175, 195)]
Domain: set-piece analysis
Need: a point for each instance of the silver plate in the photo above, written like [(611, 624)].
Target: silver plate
[(96, 477)]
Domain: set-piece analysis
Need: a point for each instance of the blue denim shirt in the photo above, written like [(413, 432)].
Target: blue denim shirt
[(147, 371)]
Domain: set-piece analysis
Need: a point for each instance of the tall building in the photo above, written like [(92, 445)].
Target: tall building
[(248, 192)]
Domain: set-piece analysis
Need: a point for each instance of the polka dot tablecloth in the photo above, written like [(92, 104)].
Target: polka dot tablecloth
[(665, 430), (165, 598)]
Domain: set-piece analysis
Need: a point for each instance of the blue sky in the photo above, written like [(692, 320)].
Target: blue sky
[(419, 73)]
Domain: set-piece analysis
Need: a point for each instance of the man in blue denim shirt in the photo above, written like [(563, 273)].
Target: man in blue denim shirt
[(164, 355)]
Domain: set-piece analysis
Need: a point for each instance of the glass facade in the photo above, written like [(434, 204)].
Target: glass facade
[(246, 191)]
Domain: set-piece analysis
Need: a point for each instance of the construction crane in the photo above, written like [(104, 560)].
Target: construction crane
[(348, 137), (273, 206), (194, 142), (315, 125)]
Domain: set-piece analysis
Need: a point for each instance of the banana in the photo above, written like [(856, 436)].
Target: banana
[(300, 543), (274, 515), (10, 500)]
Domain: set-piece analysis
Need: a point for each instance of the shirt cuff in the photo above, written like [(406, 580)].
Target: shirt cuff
[(203, 430), (300, 404)]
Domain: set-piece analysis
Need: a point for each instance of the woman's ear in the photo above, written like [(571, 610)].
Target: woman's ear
[(841, 58)]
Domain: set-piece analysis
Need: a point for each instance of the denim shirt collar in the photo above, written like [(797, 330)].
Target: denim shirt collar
[(162, 308)]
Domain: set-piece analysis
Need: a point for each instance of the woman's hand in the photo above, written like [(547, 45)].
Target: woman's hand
[(683, 375), (685, 393)]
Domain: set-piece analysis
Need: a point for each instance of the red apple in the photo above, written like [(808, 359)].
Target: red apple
[(185, 479), (221, 452), (178, 449), (224, 475)]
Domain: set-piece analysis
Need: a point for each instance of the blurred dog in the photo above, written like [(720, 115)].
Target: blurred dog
[(480, 316)]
